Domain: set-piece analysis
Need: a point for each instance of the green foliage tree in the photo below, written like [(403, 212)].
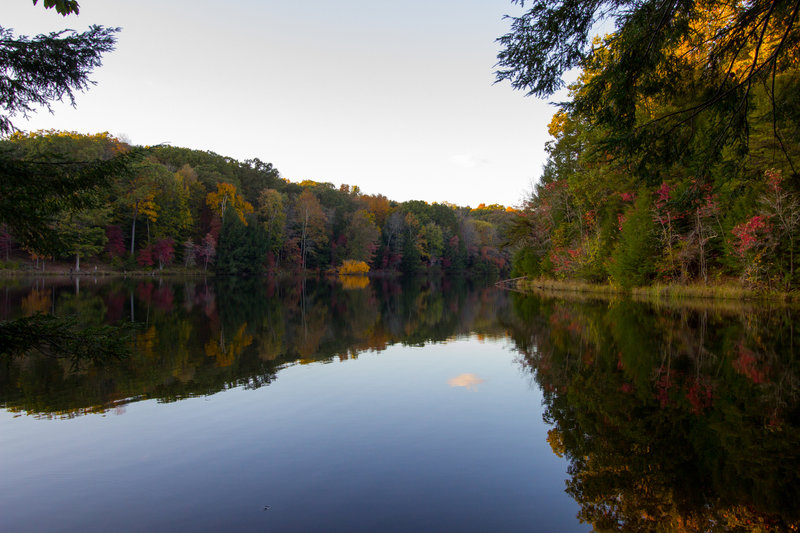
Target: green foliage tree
[(242, 248), (39, 188), (272, 215), (171, 201), (411, 261), (362, 237), (432, 242), (633, 260), (84, 233)]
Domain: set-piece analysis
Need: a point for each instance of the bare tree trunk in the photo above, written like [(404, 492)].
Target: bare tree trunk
[(303, 241), (133, 230), (701, 246)]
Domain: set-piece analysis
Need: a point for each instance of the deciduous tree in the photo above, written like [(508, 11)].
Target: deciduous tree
[(272, 215), (164, 251), (362, 237), (225, 197), (311, 224)]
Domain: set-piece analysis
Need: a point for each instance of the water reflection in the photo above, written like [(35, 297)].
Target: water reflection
[(200, 336), (681, 418), (671, 417)]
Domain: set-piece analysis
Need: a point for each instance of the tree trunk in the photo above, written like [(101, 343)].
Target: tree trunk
[(701, 246), (133, 231), (303, 242), (77, 263)]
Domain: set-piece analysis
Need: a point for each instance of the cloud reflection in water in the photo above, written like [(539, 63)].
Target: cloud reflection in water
[(468, 381)]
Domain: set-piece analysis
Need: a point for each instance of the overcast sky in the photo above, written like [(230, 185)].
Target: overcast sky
[(395, 97)]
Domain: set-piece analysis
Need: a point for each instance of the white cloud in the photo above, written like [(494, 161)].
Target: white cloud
[(467, 161)]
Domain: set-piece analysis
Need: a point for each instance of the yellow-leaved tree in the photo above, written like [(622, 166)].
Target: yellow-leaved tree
[(225, 198)]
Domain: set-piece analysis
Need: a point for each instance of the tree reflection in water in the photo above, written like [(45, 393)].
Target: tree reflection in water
[(672, 418), (197, 336)]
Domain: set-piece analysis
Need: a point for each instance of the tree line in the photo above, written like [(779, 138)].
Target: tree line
[(200, 210)]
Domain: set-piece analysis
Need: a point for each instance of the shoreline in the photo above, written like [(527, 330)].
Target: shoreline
[(104, 271), (659, 292)]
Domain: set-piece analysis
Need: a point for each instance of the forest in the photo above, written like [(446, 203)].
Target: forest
[(675, 157), (198, 211)]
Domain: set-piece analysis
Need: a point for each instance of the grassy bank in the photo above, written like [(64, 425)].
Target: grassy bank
[(101, 270), (659, 292)]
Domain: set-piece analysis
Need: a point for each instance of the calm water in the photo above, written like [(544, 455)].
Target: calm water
[(415, 406)]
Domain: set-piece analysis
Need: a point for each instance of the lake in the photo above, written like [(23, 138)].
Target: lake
[(387, 405)]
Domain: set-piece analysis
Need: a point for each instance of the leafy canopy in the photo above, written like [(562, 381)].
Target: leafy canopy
[(34, 72), (550, 37), (63, 7), (695, 56)]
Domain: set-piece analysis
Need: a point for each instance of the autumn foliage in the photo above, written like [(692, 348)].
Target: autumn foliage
[(243, 217)]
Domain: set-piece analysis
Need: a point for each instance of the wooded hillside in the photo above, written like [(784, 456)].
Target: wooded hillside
[(205, 211)]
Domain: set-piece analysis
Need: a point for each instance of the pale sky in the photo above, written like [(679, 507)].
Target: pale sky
[(395, 97)]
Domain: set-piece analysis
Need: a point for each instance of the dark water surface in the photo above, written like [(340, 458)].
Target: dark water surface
[(388, 406)]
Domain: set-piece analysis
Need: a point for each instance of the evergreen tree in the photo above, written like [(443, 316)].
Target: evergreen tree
[(242, 248), (633, 260)]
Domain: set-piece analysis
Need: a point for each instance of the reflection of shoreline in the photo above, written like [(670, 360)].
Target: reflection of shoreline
[(670, 415), (197, 336)]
